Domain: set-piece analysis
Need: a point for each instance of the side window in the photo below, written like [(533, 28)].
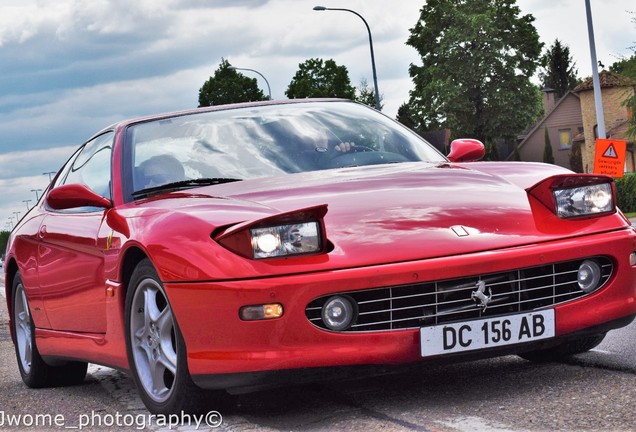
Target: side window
[(565, 138), (92, 165)]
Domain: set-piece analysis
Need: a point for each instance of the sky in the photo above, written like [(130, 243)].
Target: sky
[(71, 67)]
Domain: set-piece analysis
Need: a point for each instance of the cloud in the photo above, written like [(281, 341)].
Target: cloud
[(72, 67), (14, 165), (567, 21), (25, 175)]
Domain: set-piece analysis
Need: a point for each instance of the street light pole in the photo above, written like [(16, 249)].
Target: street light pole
[(37, 197), (49, 173), (27, 201), (598, 98), (269, 89), (375, 76)]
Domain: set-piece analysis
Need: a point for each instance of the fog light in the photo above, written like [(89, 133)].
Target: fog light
[(338, 313), (261, 312), (589, 275)]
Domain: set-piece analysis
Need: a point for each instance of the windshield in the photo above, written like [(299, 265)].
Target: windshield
[(252, 142)]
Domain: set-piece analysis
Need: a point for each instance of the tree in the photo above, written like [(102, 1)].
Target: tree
[(626, 67), (630, 103), (548, 157), (491, 152), (576, 162), (316, 78), (366, 95), (405, 117), (4, 238), (477, 60), (559, 71), (229, 86)]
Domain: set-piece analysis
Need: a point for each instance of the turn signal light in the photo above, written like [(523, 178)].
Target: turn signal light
[(261, 312)]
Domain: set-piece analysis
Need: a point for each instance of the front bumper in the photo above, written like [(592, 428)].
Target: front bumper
[(220, 344)]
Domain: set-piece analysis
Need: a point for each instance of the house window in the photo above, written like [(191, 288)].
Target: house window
[(565, 138)]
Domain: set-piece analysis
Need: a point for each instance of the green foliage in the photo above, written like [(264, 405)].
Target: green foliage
[(626, 67), (626, 193), (404, 116), (229, 86), (548, 157), (630, 103), (366, 95), (558, 71), (315, 79), (4, 238), (491, 152), (477, 60), (576, 160)]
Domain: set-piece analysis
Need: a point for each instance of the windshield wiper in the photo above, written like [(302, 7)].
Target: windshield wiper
[(180, 185)]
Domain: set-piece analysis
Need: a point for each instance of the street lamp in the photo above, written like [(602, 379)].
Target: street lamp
[(598, 98), (37, 197), (27, 203), (375, 77), (269, 90), (49, 173), (17, 217)]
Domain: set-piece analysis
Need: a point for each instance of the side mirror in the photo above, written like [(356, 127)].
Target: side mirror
[(466, 150), (75, 195)]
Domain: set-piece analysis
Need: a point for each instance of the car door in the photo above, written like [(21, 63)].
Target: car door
[(70, 254)]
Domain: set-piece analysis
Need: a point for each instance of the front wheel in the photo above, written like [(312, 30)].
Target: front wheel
[(156, 349), (35, 372), (565, 350)]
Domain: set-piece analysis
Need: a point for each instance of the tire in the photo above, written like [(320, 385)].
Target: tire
[(156, 350), (565, 350), (35, 372)]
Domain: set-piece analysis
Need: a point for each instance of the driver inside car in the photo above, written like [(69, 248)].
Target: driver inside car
[(322, 145), (159, 170)]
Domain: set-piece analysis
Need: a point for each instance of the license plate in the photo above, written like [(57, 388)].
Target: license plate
[(486, 333)]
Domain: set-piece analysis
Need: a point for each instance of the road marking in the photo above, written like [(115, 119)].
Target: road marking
[(473, 423), (601, 351)]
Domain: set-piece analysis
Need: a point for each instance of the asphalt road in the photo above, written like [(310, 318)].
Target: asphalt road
[(594, 392), (616, 352)]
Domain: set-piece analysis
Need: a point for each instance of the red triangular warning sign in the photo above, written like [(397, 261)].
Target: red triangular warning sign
[(609, 157), (610, 152)]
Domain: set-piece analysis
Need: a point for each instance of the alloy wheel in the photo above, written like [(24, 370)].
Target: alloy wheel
[(153, 340), (23, 329)]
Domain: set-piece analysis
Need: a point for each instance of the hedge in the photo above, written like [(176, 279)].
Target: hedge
[(626, 193)]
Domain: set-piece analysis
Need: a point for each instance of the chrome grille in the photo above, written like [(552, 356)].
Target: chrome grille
[(431, 303)]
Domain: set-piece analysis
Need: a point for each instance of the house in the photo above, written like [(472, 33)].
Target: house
[(563, 121), (571, 124), (615, 89)]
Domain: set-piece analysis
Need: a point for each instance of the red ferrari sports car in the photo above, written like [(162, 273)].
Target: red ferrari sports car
[(226, 248)]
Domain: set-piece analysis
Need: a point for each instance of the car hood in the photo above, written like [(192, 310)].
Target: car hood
[(399, 212)]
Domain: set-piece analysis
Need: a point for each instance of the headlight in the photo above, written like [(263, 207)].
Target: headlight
[(286, 239), (297, 232), (584, 200)]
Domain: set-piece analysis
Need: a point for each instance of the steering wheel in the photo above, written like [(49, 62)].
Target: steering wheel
[(353, 149)]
